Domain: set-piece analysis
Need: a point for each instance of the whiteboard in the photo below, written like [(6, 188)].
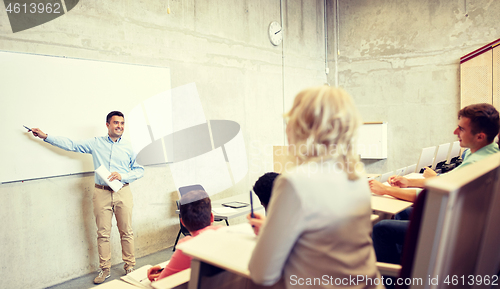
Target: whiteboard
[(63, 97)]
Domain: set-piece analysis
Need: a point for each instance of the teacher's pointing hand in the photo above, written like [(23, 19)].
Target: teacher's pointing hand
[(39, 133)]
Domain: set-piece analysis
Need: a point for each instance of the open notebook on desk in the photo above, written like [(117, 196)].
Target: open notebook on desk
[(139, 277)]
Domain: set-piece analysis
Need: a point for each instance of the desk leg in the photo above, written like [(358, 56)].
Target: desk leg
[(199, 270), (194, 281), (382, 216), (227, 223)]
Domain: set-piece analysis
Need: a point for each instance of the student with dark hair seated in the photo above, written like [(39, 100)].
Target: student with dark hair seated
[(197, 217), (262, 188)]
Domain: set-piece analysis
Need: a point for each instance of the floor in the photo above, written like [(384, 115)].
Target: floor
[(87, 281)]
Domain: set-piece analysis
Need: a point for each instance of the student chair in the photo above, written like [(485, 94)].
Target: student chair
[(454, 153), (400, 172), (426, 158), (441, 157), (410, 169), (182, 229), (454, 158), (385, 176)]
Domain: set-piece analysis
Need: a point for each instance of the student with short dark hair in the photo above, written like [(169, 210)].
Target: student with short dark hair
[(197, 217), (264, 186), (478, 124)]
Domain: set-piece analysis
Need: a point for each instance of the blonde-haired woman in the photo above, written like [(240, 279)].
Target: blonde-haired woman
[(317, 231)]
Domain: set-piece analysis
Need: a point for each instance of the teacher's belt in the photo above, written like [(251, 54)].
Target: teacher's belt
[(106, 187)]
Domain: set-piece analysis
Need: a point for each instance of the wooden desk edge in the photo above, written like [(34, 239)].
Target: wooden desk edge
[(226, 267), (173, 280)]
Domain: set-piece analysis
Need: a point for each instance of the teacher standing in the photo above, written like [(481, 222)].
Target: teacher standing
[(117, 156)]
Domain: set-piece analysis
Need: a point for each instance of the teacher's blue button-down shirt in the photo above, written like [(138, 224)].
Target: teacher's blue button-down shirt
[(115, 156)]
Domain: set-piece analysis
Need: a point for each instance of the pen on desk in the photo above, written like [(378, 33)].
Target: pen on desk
[(390, 181), (251, 205), (29, 129), (157, 272), (400, 173)]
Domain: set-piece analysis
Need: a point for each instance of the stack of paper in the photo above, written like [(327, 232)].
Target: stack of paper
[(102, 172), (139, 277)]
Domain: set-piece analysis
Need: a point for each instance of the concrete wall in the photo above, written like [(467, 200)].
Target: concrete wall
[(400, 61), (48, 230)]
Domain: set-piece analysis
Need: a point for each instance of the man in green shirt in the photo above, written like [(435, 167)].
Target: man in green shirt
[(478, 124)]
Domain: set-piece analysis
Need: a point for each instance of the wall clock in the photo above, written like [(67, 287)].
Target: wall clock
[(275, 33)]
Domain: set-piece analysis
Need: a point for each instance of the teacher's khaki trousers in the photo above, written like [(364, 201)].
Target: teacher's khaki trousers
[(120, 203)]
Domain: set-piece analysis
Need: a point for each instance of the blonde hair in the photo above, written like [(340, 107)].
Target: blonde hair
[(323, 124)]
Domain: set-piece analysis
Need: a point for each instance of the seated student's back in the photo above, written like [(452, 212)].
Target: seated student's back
[(197, 217), (317, 231)]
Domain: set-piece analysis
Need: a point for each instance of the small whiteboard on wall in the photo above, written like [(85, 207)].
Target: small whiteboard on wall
[(372, 140), (64, 97)]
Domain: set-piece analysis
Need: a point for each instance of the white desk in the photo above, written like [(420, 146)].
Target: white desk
[(388, 204), (414, 176), (374, 219), (243, 198), (177, 280), (372, 176)]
